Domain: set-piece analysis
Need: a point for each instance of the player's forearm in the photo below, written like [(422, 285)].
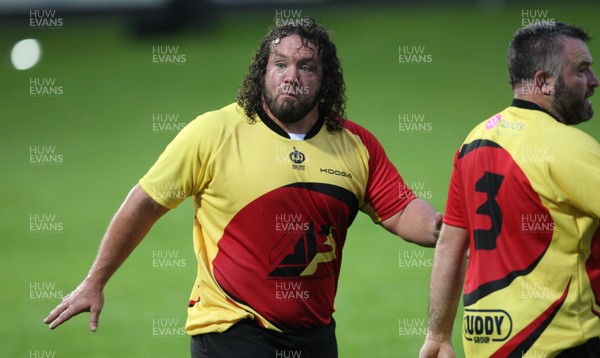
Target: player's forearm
[(446, 283), (419, 223), (128, 227)]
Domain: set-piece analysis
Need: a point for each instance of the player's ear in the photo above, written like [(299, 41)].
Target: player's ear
[(543, 82)]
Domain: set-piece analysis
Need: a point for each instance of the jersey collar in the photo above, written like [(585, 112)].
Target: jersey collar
[(519, 103), (270, 123)]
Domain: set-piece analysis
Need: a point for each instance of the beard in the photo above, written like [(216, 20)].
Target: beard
[(289, 109), (570, 106)]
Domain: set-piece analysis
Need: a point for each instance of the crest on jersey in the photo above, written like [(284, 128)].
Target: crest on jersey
[(297, 158)]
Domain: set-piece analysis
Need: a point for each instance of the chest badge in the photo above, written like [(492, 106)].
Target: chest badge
[(297, 158)]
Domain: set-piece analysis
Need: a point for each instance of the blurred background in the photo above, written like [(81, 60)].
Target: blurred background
[(87, 107)]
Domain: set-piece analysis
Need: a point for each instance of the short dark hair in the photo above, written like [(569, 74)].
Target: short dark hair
[(332, 99), (539, 47)]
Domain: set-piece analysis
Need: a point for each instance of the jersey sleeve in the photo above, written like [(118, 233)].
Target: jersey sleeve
[(454, 214), (575, 173), (386, 193), (180, 170)]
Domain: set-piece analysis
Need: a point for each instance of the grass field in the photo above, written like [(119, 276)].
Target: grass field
[(101, 134)]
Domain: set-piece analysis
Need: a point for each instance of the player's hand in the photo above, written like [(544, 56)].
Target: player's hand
[(85, 298), (436, 349)]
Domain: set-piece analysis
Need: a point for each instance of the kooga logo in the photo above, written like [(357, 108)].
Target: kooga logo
[(336, 172), (485, 326)]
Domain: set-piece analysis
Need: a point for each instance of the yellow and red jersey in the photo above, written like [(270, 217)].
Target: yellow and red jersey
[(526, 189), (271, 213)]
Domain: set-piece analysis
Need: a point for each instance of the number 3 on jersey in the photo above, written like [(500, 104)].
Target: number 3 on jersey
[(499, 206), (485, 239)]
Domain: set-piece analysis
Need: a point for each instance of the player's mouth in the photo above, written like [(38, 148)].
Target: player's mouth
[(587, 98), (288, 94)]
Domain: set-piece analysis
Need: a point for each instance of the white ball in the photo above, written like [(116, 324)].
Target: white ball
[(25, 54)]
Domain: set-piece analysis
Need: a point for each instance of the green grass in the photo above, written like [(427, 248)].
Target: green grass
[(102, 126)]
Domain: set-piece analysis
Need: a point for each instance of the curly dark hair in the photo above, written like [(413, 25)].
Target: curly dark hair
[(332, 100)]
